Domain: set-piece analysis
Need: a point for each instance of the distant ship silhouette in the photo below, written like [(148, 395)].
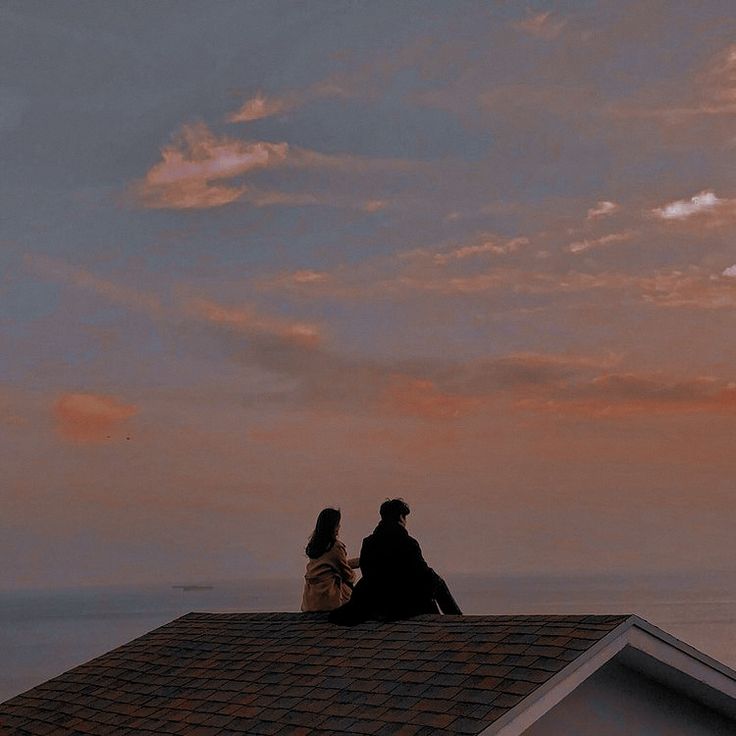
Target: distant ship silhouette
[(186, 588)]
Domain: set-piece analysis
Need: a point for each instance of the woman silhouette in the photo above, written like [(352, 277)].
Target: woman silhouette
[(328, 582)]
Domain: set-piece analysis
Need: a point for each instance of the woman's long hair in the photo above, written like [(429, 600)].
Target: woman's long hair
[(324, 535)]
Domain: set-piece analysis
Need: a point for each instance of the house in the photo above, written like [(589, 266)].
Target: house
[(217, 674)]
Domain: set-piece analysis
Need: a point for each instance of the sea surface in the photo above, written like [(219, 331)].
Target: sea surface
[(44, 633)]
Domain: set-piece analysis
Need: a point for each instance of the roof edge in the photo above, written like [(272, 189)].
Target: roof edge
[(546, 696), (644, 647), (684, 647)]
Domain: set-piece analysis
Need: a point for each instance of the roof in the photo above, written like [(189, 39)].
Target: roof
[(217, 674)]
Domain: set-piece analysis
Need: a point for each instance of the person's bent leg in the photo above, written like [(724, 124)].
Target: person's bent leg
[(443, 597)]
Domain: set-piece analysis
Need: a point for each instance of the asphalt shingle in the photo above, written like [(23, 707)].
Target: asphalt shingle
[(223, 674)]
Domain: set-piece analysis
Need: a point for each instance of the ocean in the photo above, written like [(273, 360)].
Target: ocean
[(44, 633)]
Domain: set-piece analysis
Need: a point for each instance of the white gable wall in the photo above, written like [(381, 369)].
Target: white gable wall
[(618, 701)]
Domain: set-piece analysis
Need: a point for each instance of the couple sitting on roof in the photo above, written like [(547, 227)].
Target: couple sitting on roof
[(396, 582)]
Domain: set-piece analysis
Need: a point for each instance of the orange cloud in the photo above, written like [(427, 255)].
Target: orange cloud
[(541, 25), (602, 209), (710, 93), (249, 321), (197, 309), (693, 289), (83, 279), (716, 87), (373, 205), (259, 107), (581, 246), (194, 167), (485, 244), (90, 418), (423, 399), (198, 169), (621, 395)]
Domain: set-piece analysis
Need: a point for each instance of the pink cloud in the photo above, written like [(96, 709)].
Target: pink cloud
[(373, 205), (622, 395), (485, 245), (248, 320), (541, 25), (90, 418), (581, 246), (602, 209), (690, 289), (423, 399), (711, 92), (259, 107), (196, 309), (199, 170), (85, 280), (196, 165), (262, 106)]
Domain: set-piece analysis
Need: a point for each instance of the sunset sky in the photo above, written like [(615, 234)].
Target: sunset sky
[(262, 257)]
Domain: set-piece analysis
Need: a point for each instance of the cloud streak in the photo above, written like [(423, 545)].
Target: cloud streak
[(195, 310), (602, 209), (623, 395), (486, 244), (706, 202), (259, 107), (249, 321), (541, 25), (201, 170), (580, 246)]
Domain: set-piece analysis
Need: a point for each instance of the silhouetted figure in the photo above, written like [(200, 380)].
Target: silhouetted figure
[(397, 582), (329, 578)]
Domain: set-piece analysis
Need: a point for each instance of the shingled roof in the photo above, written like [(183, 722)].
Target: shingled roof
[(213, 674)]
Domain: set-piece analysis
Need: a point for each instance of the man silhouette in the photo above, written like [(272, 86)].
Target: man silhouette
[(396, 581)]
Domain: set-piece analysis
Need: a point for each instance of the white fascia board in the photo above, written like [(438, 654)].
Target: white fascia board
[(690, 657), (659, 656), (544, 698)]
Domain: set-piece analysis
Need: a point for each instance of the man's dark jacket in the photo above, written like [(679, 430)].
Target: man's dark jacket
[(396, 582)]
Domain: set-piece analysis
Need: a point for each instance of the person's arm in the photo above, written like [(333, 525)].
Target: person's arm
[(343, 566), (354, 562), (414, 558), (366, 561)]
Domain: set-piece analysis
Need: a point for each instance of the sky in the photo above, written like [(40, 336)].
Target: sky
[(258, 258)]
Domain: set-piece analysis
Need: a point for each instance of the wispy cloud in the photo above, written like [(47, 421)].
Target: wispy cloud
[(692, 289), (484, 244), (196, 166), (85, 280), (580, 246), (89, 417), (260, 106), (426, 56), (714, 89), (602, 209), (201, 170), (710, 92), (423, 399), (248, 321), (704, 202), (541, 25), (622, 395)]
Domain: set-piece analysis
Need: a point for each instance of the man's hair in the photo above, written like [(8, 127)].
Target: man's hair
[(393, 509)]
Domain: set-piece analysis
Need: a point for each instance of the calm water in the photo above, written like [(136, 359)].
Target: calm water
[(45, 633)]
